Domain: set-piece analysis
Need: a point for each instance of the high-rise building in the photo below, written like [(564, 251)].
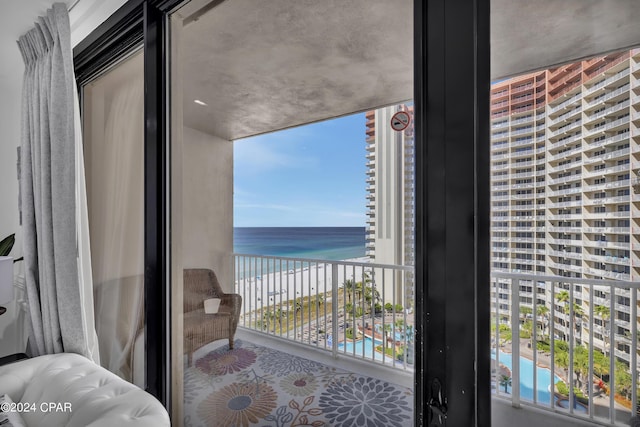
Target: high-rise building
[(390, 191), (565, 152)]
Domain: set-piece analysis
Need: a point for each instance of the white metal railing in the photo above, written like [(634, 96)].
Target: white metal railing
[(565, 116), (566, 329), (349, 308), (606, 81), (563, 104), (607, 111), (566, 128), (623, 89), (608, 125)]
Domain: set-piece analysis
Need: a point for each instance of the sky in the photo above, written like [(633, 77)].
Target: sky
[(308, 176)]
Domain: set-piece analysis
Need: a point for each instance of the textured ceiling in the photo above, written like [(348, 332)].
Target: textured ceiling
[(266, 65), (529, 35)]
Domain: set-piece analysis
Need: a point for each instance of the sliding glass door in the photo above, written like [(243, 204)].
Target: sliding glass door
[(113, 148), (451, 359)]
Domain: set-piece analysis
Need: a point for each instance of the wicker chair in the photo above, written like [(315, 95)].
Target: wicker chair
[(201, 328)]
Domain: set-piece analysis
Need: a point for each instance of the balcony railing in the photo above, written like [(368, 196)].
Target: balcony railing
[(566, 329), (352, 309)]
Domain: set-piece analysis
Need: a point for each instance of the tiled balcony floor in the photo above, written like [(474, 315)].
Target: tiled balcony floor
[(257, 385)]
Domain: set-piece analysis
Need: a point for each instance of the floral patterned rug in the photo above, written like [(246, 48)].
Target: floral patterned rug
[(254, 385)]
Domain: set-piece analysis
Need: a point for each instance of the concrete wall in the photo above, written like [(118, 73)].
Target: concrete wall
[(207, 204)]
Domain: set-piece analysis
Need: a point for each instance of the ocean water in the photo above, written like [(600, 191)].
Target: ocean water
[(323, 243)]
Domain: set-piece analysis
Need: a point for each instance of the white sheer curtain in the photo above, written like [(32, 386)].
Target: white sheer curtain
[(114, 126), (55, 246)]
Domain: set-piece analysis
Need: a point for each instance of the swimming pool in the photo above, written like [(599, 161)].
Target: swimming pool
[(526, 378), (363, 347)]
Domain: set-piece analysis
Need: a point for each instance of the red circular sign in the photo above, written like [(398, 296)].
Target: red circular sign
[(400, 121)]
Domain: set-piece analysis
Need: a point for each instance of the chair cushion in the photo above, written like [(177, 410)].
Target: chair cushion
[(95, 396)]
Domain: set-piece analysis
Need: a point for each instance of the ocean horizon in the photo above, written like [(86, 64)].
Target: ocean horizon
[(322, 243)]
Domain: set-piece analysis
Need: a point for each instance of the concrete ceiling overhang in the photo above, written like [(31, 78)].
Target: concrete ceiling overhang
[(268, 65), (528, 35)]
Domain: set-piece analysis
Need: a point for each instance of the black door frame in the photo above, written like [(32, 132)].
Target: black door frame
[(451, 95), (145, 22), (452, 87)]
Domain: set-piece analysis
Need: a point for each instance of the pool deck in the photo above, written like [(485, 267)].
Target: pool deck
[(544, 360), (370, 333)]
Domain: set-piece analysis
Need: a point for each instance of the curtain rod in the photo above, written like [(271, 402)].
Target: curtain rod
[(73, 5)]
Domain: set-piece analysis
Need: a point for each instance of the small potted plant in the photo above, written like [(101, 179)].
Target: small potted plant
[(6, 245), (6, 270)]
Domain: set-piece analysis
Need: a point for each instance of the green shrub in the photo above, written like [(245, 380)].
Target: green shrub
[(543, 346), (562, 388)]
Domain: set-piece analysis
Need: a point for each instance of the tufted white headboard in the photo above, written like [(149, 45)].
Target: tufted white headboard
[(95, 396)]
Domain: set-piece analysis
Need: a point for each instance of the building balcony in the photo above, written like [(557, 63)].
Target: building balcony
[(607, 200), (500, 125), (564, 154), (520, 120), (607, 230), (609, 140), (608, 156), (565, 140), (563, 168), (566, 128), (599, 87), (610, 245), (566, 191), (607, 170), (607, 126), (565, 116), (611, 110), (323, 305), (570, 178), (622, 90), (560, 346), (568, 103)]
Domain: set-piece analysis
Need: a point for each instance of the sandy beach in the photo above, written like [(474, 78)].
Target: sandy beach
[(263, 290)]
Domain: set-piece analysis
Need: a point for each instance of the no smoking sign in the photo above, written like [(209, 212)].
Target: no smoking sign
[(400, 121)]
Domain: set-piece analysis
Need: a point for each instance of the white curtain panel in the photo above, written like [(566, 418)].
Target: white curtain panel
[(59, 290)]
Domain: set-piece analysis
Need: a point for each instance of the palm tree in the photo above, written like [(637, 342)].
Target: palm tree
[(578, 312), (358, 290), (366, 278), (387, 331), (561, 358), (524, 311), (349, 286), (279, 314), (543, 311), (268, 318), (505, 381), (603, 312), (563, 298), (580, 363)]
